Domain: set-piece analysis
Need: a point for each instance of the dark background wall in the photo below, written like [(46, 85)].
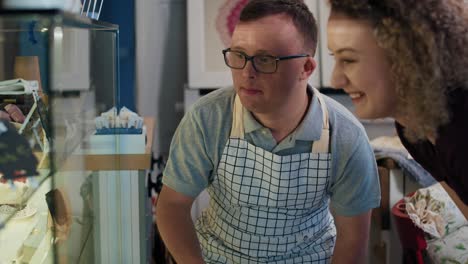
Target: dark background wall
[(122, 13)]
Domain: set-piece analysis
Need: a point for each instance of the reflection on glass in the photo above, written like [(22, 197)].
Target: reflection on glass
[(51, 65)]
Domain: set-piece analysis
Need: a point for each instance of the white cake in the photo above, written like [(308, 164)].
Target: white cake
[(12, 193)]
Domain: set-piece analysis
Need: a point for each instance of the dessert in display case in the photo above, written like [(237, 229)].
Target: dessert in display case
[(58, 72)]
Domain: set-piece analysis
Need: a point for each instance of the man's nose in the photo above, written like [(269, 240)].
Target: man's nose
[(249, 70), (338, 78)]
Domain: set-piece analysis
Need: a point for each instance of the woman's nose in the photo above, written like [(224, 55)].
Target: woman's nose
[(338, 78)]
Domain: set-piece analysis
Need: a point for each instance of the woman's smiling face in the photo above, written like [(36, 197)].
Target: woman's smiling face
[(361, 67)]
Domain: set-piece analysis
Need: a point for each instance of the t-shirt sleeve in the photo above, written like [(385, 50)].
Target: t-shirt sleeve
[(189, 166), (356, 188)]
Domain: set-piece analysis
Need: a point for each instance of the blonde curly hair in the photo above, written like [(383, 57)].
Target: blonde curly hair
[(426, 42)]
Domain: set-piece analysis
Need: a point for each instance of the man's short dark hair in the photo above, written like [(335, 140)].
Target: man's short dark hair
[(297, 10)]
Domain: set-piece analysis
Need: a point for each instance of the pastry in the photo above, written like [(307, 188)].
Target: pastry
[(15, 113)]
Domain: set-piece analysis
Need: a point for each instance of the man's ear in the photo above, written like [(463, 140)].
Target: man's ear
[(309, 67)]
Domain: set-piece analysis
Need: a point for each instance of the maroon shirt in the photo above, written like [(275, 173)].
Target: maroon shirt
[(447, 160)]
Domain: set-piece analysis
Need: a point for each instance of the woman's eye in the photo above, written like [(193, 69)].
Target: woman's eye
[(347, 61)]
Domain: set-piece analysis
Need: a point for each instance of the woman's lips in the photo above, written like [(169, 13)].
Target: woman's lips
[(356, 97)]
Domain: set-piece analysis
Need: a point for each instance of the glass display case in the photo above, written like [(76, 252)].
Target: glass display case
[(62, 200)]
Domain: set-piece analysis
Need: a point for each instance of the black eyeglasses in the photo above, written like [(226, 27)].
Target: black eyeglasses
[(261, 63)]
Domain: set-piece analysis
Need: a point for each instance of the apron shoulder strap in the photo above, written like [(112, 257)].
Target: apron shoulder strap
[(322, 145), (237, 129)]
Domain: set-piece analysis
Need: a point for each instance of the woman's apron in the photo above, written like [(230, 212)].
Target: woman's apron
[(266, 208)]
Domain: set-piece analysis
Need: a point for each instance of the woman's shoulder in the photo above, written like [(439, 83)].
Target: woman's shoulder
[(457, 97), (457, 101)]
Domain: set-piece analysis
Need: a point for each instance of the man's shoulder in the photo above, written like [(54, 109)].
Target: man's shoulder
[(342, 118), (213, 111), (219, 100), (347, 132)]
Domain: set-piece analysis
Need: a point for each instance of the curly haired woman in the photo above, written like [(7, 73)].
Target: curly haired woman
[(408, 59)]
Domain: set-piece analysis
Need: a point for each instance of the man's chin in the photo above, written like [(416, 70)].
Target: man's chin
[(249, 105)]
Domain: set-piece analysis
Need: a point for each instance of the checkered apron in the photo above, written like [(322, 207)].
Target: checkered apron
[(266, 208)]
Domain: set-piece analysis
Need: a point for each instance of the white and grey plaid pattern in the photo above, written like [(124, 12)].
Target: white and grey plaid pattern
[(267, 208)]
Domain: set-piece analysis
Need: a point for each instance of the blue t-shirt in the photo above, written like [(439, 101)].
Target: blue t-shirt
[(202, 134)]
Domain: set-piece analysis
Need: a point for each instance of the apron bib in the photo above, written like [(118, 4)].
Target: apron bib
[(266, 208)]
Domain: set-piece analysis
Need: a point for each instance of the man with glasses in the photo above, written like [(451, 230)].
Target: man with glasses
[(273, 153)]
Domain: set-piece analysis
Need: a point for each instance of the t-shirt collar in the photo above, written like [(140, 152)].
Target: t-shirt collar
[(308, 130)]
